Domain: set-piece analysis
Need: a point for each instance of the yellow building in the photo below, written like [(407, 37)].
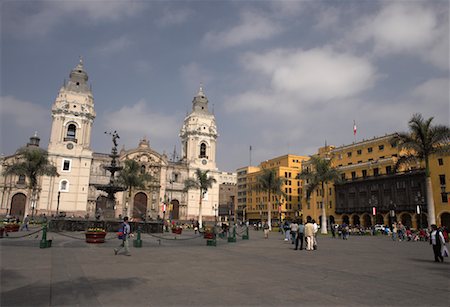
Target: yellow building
[(288, 207), (372, 193)]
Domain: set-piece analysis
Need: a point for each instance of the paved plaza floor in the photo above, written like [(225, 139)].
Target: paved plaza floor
[(363, 271)]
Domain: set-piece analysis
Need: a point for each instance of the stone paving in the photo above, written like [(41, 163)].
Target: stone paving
[(363, 271)]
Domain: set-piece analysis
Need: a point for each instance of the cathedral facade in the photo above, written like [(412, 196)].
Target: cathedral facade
[(80, 169)]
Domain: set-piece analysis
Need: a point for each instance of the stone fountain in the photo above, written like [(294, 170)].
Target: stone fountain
[(113, 186)]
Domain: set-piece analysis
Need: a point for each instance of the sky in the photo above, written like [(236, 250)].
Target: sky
[(281, 76)]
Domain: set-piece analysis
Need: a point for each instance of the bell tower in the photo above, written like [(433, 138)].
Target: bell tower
[(69, 147), (199, 135)]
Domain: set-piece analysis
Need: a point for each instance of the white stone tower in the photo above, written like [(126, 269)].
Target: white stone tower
[(198, 140), (69, 147)]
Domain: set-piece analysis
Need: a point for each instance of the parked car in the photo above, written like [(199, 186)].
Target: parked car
[(380, 227)]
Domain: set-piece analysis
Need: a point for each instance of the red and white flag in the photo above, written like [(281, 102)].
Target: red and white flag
[(354, 128)]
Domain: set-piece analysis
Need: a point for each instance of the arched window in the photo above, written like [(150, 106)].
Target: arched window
[(71, 131), (203, 150), (64, 185)]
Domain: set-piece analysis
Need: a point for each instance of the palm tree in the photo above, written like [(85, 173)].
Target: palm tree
[(203, 182), (319, 175), (422, 141), (33, 162), (131, 177), (271, 184)]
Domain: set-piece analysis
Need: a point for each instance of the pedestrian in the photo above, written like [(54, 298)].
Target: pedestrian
[(437, 241), (394, 231), (316, 229), (25, 223), (126, 234), (287, 230), (333, 230), (293, 230), (309, 234), (266, 230), (300, 233)]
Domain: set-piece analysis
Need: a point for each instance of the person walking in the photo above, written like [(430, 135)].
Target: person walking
[(126, 229), (300, 233), (287, 230), (25, 223), (309, 234), (394, 231), (294, 230), (266, 230), (437, 241), (316, 229)]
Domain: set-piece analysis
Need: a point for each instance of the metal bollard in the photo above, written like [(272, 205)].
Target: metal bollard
[(138, 241), (232, 239), (44, 243), (245, 236)]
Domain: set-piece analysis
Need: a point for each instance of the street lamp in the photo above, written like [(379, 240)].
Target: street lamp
[(216, 209), (57, 203), (373, 202), (391, 213), (419, 201)]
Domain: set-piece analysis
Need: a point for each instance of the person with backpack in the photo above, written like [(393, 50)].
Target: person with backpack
[(124, 235)]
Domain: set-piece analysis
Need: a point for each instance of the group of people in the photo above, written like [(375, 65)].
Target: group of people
[(298, 233)]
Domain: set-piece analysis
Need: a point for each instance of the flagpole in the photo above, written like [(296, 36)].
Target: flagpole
[(250, 153), (354, 131)]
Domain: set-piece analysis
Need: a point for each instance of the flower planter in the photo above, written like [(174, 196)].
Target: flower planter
[(177, 231), (208, 235), (12, 227), (95, 237)]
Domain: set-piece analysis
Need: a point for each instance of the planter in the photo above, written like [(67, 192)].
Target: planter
[(177, 231), (95, 237), (12, 227), (208, 235)]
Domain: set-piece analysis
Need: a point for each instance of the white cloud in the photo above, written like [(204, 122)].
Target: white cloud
[(287, 8), (140, 120), (38, 19), (193, 74), (252, 27), (19, 120), (172, 17), (433, 91), (113, 46), (24, 114), (407, 27), (313, 75)]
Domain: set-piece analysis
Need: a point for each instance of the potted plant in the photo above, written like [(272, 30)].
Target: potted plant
[(95, 235), (11, 227), (177, 229), (208, 232)]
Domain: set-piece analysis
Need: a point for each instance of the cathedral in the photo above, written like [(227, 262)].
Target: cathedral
[(80, 169)]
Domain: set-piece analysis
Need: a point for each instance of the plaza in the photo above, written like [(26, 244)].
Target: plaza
[(362, 271)]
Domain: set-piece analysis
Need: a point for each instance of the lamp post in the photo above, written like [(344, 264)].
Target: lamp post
[(419, 201), (391, 213), (216, 209), (373, 202), (57, 203)]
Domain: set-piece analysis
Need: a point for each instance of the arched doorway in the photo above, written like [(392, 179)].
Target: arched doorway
[(345, 219), (367, 221), (379, 219), (445, 220), (140, 205), (175, 209), (356, 220), (18, 203), (406, 220), (101, 206), (332, 220), (422, 222)]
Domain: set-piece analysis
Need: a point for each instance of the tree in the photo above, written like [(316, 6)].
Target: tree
[(202, 182), (271, 184), (32, 163), (320, 173), (131, 177), (422, 141)]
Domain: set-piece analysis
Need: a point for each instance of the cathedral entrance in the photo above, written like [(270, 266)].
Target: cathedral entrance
[(18, 203), (175, 209), (140, 206)]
